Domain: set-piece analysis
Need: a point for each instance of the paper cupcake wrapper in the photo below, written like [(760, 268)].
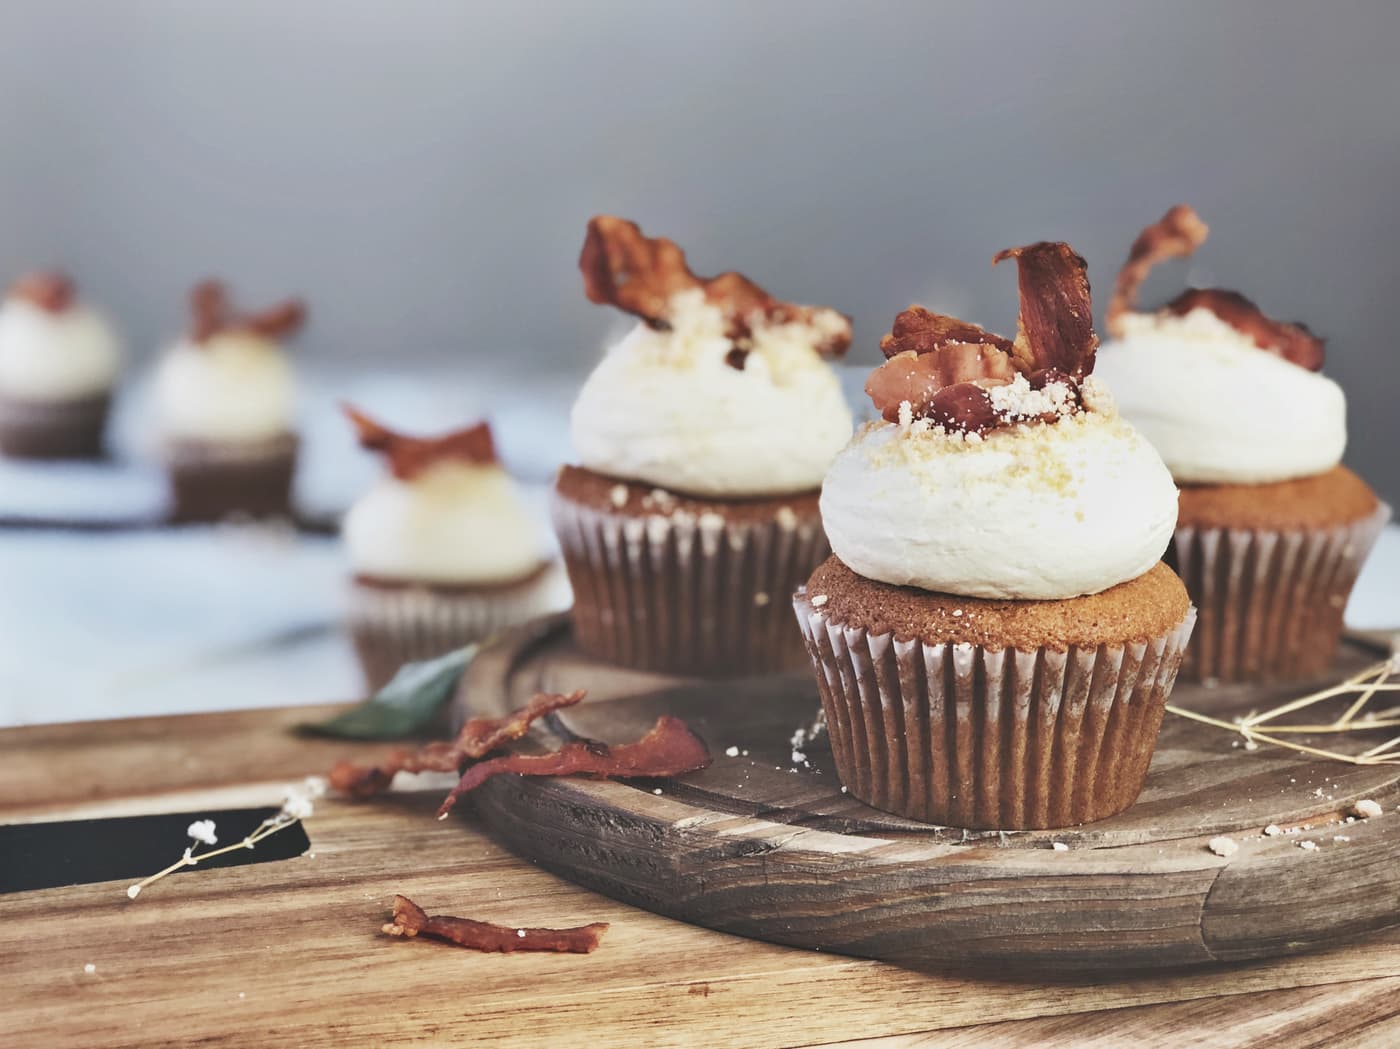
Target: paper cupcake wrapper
[(210, 482), (687, 594), (391, 626), (53, 429), (963, 736), (1270, 603)]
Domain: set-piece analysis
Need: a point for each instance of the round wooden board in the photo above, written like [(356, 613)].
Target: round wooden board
[(761, 847)]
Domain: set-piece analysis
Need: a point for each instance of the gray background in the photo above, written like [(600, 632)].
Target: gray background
[(423, 171)]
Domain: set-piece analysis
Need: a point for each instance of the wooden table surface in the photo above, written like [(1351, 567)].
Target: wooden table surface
[(291, 953)]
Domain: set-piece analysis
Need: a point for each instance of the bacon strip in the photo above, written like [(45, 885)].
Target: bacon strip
[(478, 738), (409, 456), (50, 291), (922, 331), (1293, 342), (410, 920), (623, 267), (1177, 233), (1055, 327), (211, 313), (669, 749), (918, 378)]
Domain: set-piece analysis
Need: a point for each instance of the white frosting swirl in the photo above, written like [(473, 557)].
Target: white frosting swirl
[(234, 387), (1218, 408), (1042, 511), (455, 522), (64, 356), (664, 408)]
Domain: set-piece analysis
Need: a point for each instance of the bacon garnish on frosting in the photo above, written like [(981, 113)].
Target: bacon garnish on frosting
[(943, 369), (642, 275), (1179, 233), (211, 313), (49, 290), (409, 456)]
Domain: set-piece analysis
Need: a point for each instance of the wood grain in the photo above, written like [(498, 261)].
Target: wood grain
[(764, 847), (289, 953)]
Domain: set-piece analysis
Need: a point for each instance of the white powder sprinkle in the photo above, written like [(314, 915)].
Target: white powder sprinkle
[(1366, 809), (906, 415), (520, 933), (1307, 846), (1223, 846), (89, 968), (732, 752)]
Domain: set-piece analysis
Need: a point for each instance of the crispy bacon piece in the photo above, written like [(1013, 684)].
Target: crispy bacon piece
[(1177, 233), (669, 749), (919, 378), (922, 331), (409, 456), (1055, 327), (50, 290), (411, 920), (211, 313), (478, 738), (623, 267), (1180, 232), (1293, 342)]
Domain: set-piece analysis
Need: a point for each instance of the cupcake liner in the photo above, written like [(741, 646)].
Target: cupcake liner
[(1271, 603), (53, 429), (997, 739), (393, 625), (684, 593), (211, 481)]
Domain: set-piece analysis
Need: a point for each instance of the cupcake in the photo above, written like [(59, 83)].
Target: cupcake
[(702, 438), (994, 636), (226, 401), (1273, 529), (58, 364), (443, 550)]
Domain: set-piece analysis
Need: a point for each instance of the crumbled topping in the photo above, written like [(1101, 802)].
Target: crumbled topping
[(1366, 809), (1059, 846), (211, 313), (1307, 846), (819, 600), (50, 291), (1273, 830), (1223, 846), (617, 495)]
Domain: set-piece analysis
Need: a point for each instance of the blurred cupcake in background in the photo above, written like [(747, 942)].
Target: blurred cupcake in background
[(225, 399), (995, 637), (702, 439), (59, 361), (1273, 529), (444, 550)]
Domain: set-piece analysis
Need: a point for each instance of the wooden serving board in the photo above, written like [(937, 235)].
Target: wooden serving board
[(770, 848)]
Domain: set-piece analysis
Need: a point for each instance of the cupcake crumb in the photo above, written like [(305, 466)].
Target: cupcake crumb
[(819, 600), (1340, 838), (1307, 846), (1273, 830), (657, 790), (1059, 846), (1223, 846), (1366, 809), (618, 495)]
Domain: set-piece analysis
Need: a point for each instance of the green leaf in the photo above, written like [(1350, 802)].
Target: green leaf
[(403, 707)]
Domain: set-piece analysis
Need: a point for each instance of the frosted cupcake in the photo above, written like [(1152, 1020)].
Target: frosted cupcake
[(225, 398), (443, 550), (58, 363), (1273, 529), (702, 439), (994, 637)]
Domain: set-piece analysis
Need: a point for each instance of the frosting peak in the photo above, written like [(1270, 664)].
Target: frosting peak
[(53, 348)]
